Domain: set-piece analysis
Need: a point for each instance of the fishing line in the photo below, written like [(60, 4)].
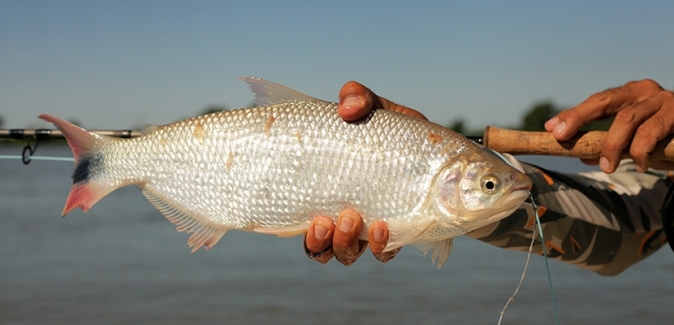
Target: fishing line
[(38, 158), (27, 154), (513, 162), (545, 254), (526, 265)]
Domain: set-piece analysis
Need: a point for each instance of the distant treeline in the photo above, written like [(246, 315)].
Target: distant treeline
[(532, 119)]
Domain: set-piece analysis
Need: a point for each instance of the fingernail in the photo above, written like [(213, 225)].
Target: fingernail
[(345, 224), (560, 128), (604, 164), (551, 123), (320, 232), (353, 101), (378, 234), (640, 169)]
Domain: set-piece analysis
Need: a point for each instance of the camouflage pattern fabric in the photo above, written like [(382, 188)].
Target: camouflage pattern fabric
[(601, 222)]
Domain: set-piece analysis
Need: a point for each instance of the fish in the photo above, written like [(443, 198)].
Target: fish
[(272, 168)]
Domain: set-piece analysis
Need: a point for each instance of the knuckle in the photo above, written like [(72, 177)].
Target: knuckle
[(569, 114), (648, 84), (654, 128), (667, 95), (638, 153), (349, 255), (644, 142), (610, 145), (386, 256), (573, 116), (352, 83), (345, 260), (626, 115), (322, 256), (602, 98)]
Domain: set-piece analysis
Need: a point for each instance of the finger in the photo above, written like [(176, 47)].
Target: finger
[(318, 240), (381, 102), (378, 235), (345, 243), (621, 131), (600, 105), (656, 128), (591, 162), (356, 101), (662, 164), (567, 122)]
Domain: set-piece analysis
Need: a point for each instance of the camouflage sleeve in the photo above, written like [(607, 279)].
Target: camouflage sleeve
[(604, 223)]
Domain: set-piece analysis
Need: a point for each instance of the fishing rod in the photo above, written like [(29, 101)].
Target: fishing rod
[(585, 144), (45, 134), (34, 136)]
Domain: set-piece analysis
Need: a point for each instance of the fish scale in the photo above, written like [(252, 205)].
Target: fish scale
[(273, 168)]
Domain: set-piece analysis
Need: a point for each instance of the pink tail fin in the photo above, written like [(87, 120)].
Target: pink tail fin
[(85, 191)]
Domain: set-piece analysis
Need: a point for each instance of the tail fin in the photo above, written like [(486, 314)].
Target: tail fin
[(85, 191)]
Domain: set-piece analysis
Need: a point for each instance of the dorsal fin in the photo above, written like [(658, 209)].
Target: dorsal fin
[(148, 128), (270, 93)]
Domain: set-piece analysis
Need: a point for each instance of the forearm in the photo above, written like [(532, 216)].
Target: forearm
[(601, 222)]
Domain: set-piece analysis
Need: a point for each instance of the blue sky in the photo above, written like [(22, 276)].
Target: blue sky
[(121, 63)]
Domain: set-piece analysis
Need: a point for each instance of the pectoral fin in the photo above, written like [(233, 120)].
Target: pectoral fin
[(404, 233), (441, 249)]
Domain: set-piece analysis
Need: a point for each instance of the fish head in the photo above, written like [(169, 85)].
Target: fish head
[(478, 189)]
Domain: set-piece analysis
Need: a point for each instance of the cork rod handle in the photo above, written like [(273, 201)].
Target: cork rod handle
[(585, 144)]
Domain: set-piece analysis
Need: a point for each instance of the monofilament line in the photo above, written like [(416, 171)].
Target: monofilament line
[(545, 255), (526, 265), (38, 158)]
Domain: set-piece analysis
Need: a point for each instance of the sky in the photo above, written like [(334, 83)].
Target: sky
[(120, 64)]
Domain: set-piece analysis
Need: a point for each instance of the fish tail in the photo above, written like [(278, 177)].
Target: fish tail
[(84, 144)]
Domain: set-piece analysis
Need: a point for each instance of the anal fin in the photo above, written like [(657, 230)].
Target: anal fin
[(203, 234)]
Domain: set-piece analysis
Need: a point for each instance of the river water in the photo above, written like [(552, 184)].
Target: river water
[(124, 263)]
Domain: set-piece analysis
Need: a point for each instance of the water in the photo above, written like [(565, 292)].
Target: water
[(122, 263)]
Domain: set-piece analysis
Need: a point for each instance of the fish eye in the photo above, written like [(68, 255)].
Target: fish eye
[(489, 184)]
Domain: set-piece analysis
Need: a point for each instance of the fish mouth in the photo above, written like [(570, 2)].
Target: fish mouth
[(524, 184), (518, 194), (523, 187)]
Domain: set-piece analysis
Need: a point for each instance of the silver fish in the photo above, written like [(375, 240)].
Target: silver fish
[(271, 169)]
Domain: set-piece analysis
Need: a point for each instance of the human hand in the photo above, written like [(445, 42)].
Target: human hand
[(356, 101), (644, 115), (325, 240)]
